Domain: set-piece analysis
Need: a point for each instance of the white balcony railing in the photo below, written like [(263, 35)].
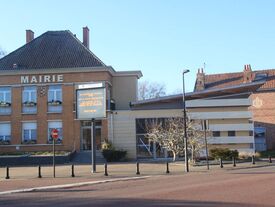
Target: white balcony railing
[(231, 140), (218, 103), (220, 115), (231, 127)]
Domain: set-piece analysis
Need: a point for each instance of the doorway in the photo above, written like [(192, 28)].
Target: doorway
[(86, 143)]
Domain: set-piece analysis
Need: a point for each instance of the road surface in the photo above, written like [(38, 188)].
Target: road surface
[(242, 187)]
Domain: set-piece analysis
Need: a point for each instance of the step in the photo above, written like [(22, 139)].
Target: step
[(84, 157)]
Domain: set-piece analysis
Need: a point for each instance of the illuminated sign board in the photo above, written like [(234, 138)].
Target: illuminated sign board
[(90, 103)]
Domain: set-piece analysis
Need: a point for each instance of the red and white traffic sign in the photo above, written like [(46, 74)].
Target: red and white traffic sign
[(54, 133)]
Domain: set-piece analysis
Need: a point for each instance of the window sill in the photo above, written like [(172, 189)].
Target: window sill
[(4, 143), (54, 112), (28, 145), (24, 113)]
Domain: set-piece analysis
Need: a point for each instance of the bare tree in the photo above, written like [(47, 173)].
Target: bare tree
[(170, 132), (147, 90), (2, 53)]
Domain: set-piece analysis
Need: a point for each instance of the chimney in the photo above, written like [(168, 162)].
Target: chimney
[(200, 82), (86, 41), (29, 35), (247, 74)]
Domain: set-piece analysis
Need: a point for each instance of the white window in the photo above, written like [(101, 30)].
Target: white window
[(5, 133), (55, 98), (29, 132), (29, 99), (5, 100), (5, 94), (55, 125)]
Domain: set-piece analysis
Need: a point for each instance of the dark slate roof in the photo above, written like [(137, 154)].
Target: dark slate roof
[(53, 49)]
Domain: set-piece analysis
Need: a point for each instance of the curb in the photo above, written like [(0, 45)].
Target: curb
[(71, 185), (251, 167)]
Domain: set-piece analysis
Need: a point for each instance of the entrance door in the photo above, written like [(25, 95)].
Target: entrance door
[(86, 137)]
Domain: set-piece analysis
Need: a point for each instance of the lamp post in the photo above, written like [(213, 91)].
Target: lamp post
[(205, 127), (184, 123)]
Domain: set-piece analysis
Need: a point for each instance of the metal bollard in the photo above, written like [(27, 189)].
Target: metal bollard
[(253, 160), (39, 172), (221, 164), (7, 172), (167, 167), (73, 175), (105, 169), (138, 173), (270, 159), (234, 162)]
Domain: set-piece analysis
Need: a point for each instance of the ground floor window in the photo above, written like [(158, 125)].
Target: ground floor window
[(29, 132), (145, 147), (260, 138), (5, 133), (55, 125)]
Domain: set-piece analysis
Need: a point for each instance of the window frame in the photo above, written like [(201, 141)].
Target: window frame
[(216, 135), (60, 138), (231, 133), (6, 137), (55, 104), (30, 130), (5, 91), (29, 106)]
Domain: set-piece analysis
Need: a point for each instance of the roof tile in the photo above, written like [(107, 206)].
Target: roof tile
[(53, 49)]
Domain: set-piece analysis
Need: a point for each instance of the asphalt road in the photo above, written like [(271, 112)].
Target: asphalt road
[(246, 187)]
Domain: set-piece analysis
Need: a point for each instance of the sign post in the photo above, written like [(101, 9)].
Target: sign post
[(91, 105), (54, 136), (93, 148)]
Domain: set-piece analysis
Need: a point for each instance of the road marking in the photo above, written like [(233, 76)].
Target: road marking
[(72, 185)]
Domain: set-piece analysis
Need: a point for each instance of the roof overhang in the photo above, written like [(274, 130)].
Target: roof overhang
[(209, 93)]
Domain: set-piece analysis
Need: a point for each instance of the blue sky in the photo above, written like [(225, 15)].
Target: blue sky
[(158, 37)]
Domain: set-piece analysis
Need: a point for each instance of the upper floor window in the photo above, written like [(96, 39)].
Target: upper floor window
[(231, 133), (29, 99), (216, 133), (29, 132), (5, 133), (55, 98), (5, 100)]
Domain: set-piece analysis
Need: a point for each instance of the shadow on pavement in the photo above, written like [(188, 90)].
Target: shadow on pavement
[(22, 200)]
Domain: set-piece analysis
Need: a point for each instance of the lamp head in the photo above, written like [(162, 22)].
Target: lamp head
[(186, 71)]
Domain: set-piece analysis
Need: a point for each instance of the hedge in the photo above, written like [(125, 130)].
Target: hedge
[(223, 153)]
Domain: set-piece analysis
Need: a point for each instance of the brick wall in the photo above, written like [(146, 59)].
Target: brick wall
[(71, 127), (263, 108)]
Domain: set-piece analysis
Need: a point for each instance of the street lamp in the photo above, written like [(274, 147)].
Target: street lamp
[(184, 123)]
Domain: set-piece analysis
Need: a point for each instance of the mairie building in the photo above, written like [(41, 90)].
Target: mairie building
[(38, 83)]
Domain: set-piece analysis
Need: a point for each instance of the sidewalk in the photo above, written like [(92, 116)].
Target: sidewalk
[(27, 177)]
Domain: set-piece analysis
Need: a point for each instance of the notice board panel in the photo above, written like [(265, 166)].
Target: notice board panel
[(91, 103)]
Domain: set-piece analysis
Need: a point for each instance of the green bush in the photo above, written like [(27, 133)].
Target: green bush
[(223, 153), (112, 155), (266, 154)]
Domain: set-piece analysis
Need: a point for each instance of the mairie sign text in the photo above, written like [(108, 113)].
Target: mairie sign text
[(41, 79)]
